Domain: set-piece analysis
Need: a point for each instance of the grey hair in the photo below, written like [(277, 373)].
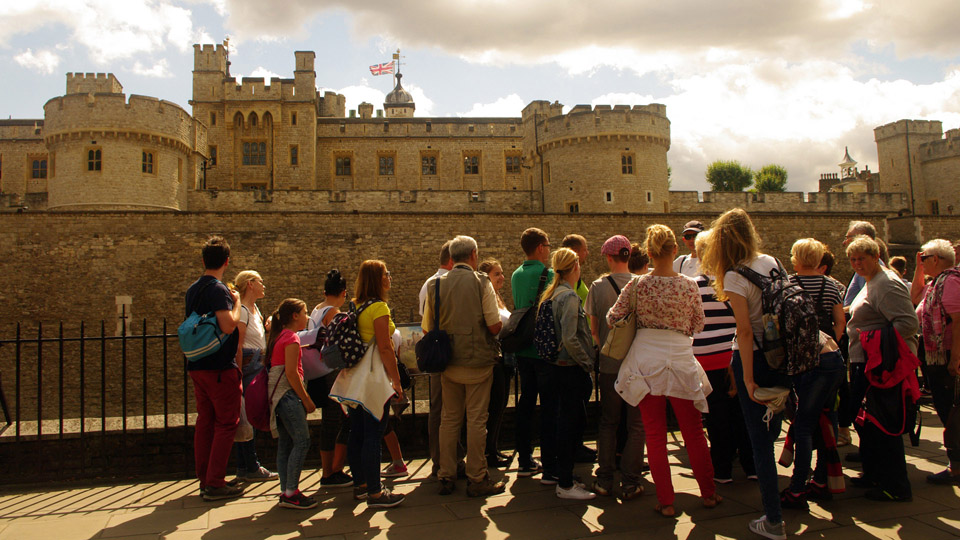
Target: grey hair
[(864, 244), (461, 247), (941, 248), (862, 227)]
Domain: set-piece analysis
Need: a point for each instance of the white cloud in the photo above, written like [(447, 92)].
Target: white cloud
[(159, 70), (357, 94), (43, 61), (507, 106), (263, 72), (108, 29)]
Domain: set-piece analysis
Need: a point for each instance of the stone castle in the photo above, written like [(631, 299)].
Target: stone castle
[(258, 145)]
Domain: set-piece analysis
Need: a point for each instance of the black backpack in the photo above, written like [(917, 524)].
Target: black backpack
[(343, 347), (791, 331), (545, 334), (518, 333)]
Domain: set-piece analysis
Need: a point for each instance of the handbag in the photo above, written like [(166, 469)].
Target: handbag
[(244, 428), (256, 401), (517, 334), (365, 385), (621, 335), (433, 350)]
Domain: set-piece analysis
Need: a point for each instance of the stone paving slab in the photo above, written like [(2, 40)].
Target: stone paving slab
[(527, 510)]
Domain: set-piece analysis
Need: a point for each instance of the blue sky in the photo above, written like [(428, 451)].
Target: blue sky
[(789, 82)]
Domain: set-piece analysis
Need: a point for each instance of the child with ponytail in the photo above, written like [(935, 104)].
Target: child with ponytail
[(289, 401)]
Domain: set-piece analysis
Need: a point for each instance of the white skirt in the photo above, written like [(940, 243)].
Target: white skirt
[(661, 363)]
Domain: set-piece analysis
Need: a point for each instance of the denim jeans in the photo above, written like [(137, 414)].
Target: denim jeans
[(363, 449), (247, 461), (946, 401), (569, 385), (293, 442), (536, 379), (724, 423), (814, 388), (499, 394), (761, 436)]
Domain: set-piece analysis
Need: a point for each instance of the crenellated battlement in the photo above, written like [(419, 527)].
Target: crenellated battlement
[(209, 57), (714, 202), (908, 127), (93, 83), (947, 147), (584, 123)]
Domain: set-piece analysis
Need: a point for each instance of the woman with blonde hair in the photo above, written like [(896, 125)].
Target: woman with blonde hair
[(250, 286), (733, 244), (660, 365), (569, 372)]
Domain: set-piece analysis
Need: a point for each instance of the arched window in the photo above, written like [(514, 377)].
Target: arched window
[(253, 119), (93, 159)]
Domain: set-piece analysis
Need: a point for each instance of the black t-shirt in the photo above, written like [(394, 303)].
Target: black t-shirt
[(214, 296)]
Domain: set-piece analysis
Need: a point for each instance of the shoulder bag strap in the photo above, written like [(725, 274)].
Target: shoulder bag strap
[(196, 300), (543, 284), (614, 284), (436, 305), (683, 260)]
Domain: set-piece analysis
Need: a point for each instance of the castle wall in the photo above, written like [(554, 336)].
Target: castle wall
[(940, 168), (21, 143), (899, 157), (396, 201), (122, 131), (791, 201)]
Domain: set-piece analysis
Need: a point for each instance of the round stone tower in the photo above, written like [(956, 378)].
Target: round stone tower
[(599, 160), (116, 154)]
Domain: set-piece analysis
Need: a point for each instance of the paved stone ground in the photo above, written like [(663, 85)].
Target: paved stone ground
[(173, 509)]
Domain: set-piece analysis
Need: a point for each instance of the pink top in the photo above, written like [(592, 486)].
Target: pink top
[(664, 303), (951, 304), (285, 338)]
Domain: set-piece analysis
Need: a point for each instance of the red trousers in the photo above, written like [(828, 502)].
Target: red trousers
[(653, 409), (218, 415)]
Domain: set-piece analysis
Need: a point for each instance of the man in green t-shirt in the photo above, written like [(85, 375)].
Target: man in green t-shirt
[(533, 372)]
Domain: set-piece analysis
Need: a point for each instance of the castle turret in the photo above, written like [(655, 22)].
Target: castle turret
[(93, 83), (848, 167), (305, 78), (899, 157), (399, 103)]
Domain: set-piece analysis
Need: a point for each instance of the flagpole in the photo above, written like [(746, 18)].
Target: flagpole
[(396, 73)]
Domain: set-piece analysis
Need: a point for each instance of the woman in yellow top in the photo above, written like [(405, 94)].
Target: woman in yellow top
[(363, 448)]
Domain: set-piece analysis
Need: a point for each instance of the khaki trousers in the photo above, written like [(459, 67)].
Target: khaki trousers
[(465, 390)]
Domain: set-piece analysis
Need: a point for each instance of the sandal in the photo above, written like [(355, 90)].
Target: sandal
[(665, 510), (712, 501)]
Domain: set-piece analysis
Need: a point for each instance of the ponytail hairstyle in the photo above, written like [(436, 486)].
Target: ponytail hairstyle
[(733, 241), (563, 261), (282, 317), (660, 241), (335, 283)]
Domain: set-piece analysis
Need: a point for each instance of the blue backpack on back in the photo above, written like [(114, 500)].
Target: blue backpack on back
[(200, 335)]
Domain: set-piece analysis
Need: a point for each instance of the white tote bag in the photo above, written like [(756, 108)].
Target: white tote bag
[(245, 428), (364, 385)]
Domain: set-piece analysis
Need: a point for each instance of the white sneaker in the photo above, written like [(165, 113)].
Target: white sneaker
[(575, 492), (764, 528)]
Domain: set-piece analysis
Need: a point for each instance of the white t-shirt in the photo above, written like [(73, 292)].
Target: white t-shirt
[(423, 288), (254, 338), (687, 265), (735, 283)]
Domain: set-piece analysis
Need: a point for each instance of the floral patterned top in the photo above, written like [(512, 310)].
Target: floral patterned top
[(664, 303)]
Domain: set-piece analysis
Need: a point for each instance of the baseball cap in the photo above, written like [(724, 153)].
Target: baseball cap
[(693, 226), (615, 245)]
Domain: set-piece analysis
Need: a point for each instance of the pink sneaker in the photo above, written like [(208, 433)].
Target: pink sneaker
[(394, 470)]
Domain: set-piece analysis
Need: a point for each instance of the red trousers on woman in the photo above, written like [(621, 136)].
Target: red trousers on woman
[(653, 409)]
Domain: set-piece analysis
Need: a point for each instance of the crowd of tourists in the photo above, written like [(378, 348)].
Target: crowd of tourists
[(723, 332)]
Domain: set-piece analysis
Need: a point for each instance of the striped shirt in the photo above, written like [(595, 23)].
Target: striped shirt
[(713, 346), (831, 297)]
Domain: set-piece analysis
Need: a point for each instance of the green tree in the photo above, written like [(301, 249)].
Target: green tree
[(729, 176), (771, 178)]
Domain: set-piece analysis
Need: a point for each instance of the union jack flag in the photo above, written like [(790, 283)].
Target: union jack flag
[(382, 69)]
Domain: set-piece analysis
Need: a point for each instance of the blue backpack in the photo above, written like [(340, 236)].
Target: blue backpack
[(200, 335)]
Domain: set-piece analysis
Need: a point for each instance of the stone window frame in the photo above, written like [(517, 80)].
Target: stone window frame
[(386, 163), (573, 207), (934, 206), (472, 162), (343, 165), (433, 157), (294, 155), (512, 163), (38, 166), (608, 197), (148, 162), (93, 159), (254, 156), (213, 118), (293, 118), (649, 197), (546, 172), (212, 151), (628, 162)]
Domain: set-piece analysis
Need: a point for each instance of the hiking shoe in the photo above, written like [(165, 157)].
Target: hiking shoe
[(548, 479), (385, 500), (575, 492), (816, 492), (485, 487), (447, 486), (793, 500), (360, 492), (531, 469), (630, 491), (337, 479), (394, 470), (764, 528), (600, 489), (232, 483), (258, 476), (222, 493), (944, 478), (882, 495), (297, 500)]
